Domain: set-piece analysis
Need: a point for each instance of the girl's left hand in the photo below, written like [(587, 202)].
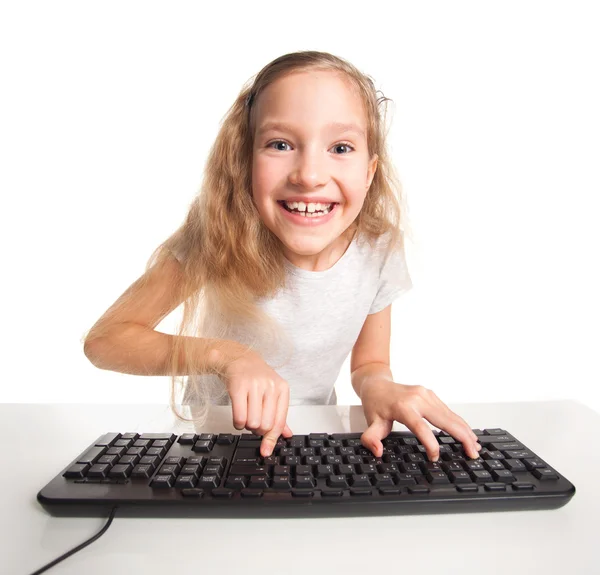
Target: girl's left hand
[(386, 401)]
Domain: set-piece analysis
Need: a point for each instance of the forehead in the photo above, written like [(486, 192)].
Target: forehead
[(311, 99)]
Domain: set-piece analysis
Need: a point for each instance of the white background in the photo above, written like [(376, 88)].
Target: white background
[(108, 110)]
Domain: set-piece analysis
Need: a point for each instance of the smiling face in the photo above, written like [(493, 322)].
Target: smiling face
[(313, 158)]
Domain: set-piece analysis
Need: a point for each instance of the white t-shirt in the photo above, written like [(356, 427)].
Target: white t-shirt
[(323, 313)]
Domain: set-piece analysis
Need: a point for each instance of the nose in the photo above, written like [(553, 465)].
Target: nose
[(310, 170)]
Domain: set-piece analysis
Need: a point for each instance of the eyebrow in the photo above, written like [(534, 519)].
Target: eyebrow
[(337, 126)]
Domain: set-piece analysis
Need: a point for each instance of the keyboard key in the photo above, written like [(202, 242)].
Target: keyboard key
[(187, 439), (222, 493), (282, 483), (383, 479), (360, 491), (225, 439), (142, 443), (203, 446), (504, 476), (77, 471), (302, 493), (491, 464), (186, 481), (542, 474), (495, 486), (437, 477), (142, 471), (533, 463), (208, 481), (120, 471), (213, 470), (418, 490), (390, 490), (107, 439), (98, 470), (303, 470), (170, 437), (487, 439), (495, 431), (305, 481), (193, 493), (467, 488), (519, 454), (522, 486), (324, 470), (190, 470), (247, 469), (481, 476), (252, 493), (332, 492), (259, 481), (406, 479), (162, 481), (514, 465), (337, 481), (92, 455), (236, 482), (360, 481), (459, 477), (506, 446)]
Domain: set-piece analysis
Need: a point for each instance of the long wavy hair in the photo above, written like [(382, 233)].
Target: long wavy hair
[(230, 259)]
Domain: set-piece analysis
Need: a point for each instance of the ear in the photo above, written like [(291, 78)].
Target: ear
[(371, 171)]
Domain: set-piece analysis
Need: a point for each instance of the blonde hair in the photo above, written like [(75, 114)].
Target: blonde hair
[(230, 259)]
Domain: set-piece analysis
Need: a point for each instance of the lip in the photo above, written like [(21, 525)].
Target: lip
[(305, 220), (308, 200)]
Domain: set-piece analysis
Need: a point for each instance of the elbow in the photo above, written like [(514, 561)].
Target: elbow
[(93, 350)]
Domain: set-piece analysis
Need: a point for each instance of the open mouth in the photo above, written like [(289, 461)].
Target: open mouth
[(306, 213)]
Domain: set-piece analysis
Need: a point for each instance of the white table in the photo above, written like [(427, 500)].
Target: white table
[(39, 440)]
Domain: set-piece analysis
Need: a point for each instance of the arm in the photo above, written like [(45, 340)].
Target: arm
[(385, 401), (124, 338), (370, 359)]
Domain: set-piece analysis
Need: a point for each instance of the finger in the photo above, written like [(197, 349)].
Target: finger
[(254, 410), (283, 408), (469, 438), (239, 409), (425, 436), (269, 409), (378, 430), (270, 438), (457, 427), (446, 409)]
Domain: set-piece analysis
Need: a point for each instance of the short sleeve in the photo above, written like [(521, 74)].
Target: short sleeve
[(175, 247), (177, 254), (394, 280)]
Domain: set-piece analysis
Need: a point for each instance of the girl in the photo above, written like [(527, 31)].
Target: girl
[(289, 259)]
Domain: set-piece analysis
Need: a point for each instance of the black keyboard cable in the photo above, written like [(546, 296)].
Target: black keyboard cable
[(81, 546)]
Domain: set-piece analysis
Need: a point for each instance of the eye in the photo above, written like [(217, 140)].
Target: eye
[(340, 144), (344, 145), (277, 142)]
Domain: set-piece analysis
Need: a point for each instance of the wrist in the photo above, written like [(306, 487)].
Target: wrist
[(373, 385), (369, 374), (223, 353)]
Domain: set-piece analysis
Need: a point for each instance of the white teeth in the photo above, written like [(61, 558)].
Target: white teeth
[(310, 207)]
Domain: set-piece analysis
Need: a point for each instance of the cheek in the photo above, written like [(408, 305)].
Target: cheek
[(264, 176)]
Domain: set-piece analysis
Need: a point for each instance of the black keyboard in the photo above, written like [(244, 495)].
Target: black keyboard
[(210, 474)]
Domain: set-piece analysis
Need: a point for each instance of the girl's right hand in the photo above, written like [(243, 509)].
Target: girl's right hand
[(259, 398)]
